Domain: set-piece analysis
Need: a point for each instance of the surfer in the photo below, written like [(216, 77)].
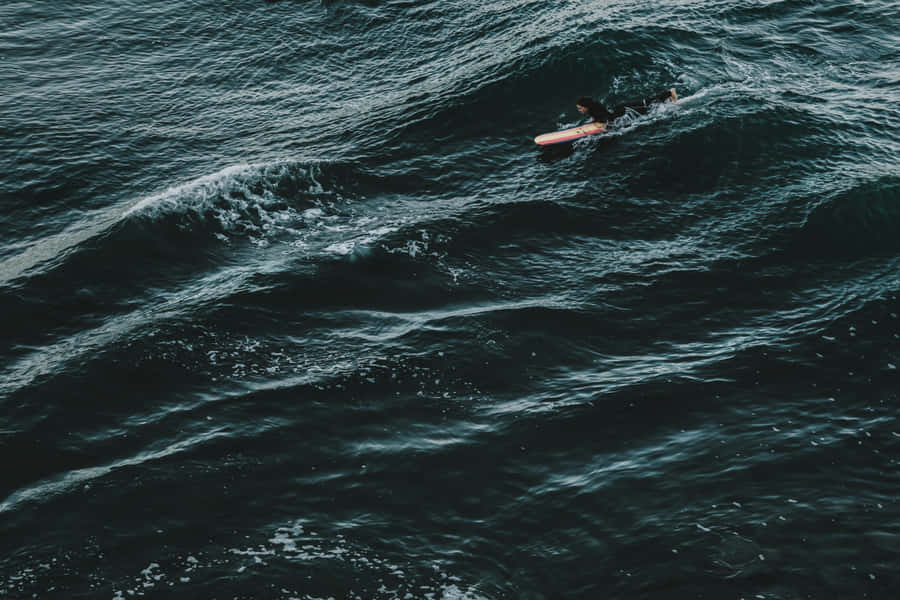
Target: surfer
[(600, 114)]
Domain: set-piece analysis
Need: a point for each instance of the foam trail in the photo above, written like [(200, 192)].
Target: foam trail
[(58, 245), (70, 479)]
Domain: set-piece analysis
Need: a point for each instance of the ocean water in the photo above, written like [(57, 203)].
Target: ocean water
[(291, 305)]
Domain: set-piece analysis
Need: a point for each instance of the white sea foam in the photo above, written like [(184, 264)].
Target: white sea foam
[(290, 548), (199, 188)]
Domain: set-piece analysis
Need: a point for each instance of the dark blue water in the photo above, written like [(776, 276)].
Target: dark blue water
[(291, 306)]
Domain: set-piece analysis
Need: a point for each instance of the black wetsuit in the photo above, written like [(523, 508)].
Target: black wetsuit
[(602, 114)]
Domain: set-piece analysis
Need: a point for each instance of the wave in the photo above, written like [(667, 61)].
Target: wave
[(123, 268), (542, 68), (860, 221)]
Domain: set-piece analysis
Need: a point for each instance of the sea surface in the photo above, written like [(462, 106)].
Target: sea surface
[(293, 307)]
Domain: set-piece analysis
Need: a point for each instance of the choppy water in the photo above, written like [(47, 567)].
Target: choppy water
[(293, 307)]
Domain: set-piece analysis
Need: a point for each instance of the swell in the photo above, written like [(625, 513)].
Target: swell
[(645, 437), (437, 82), (545, 67), (509, 93), (860, 221)]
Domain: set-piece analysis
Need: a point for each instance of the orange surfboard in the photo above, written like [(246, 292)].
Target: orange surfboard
[(567, 135)]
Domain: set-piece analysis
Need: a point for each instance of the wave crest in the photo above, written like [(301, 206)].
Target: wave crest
[(255, 200), (860, 220)]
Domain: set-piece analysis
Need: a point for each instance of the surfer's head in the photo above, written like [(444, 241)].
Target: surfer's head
[(584, 104)]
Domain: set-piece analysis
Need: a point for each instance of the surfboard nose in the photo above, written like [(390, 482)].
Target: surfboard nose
[(567, 135)]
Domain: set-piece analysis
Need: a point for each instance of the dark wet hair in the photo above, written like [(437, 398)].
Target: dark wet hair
[(585, 101)]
